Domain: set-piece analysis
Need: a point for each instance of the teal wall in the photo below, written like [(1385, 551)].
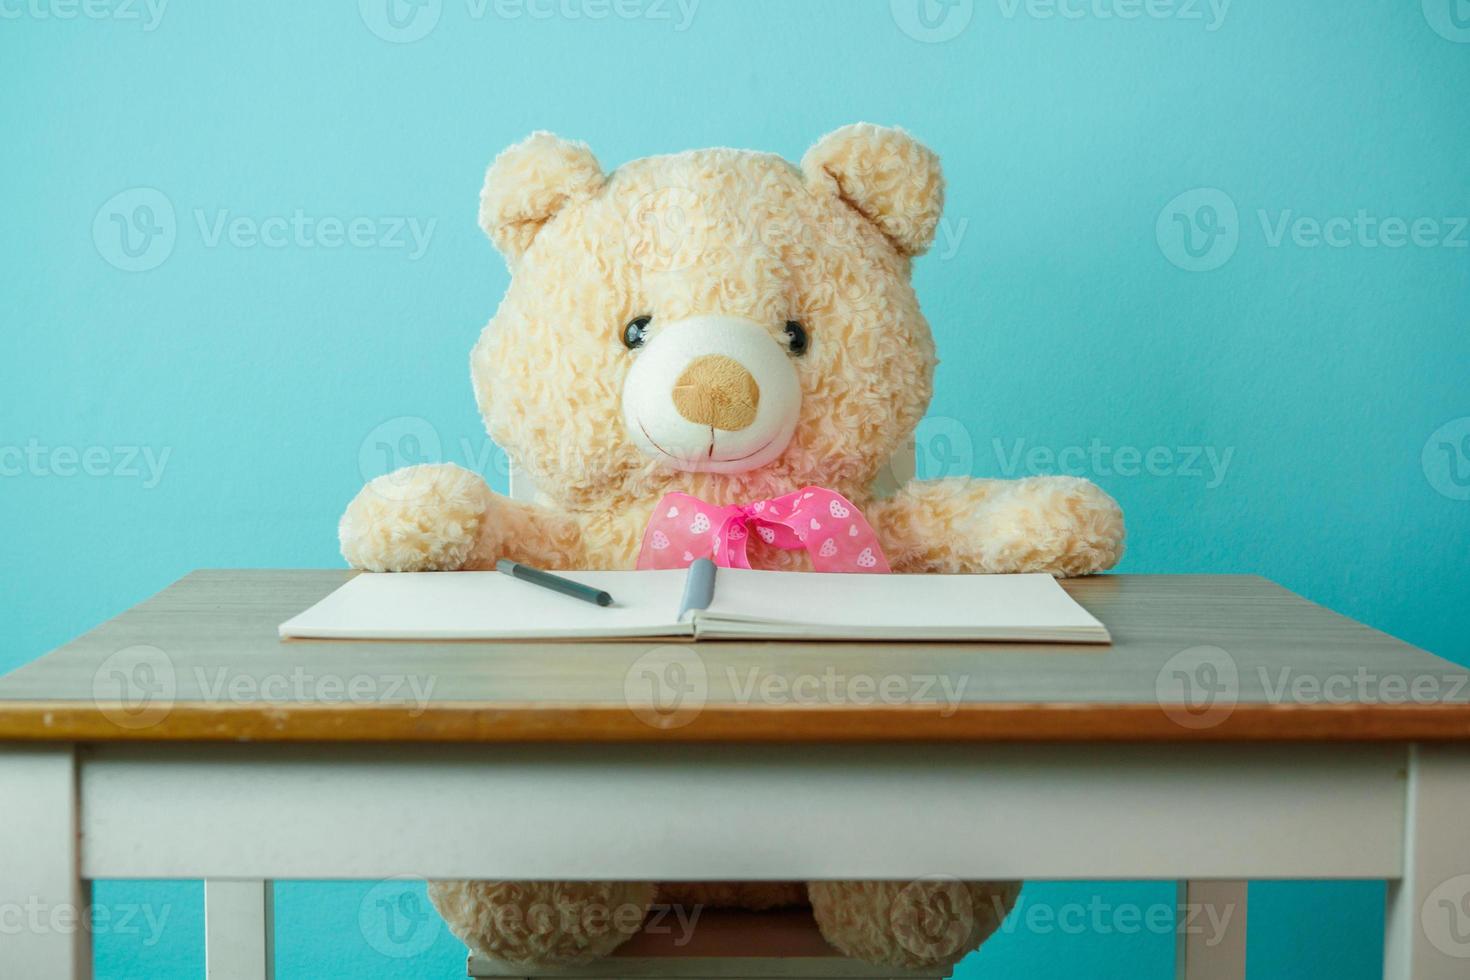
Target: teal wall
[(206, 398)]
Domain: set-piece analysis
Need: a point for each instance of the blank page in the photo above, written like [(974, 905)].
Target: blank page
[(850, 606), (491, 605)]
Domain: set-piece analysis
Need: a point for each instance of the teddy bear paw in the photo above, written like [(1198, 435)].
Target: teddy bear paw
[(417, 519), (910, 925), (1061, 525)]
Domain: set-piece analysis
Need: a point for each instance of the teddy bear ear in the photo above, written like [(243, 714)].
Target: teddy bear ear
[(529, 183), (885, 175)]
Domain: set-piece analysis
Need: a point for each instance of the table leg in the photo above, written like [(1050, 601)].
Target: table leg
[(1211, 930), (1428, 928), (45, 913), (239, 930)]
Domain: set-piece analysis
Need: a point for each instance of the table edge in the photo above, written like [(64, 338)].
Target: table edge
[(476, 722)]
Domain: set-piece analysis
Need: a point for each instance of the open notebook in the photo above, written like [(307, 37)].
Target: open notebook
[(701, 602)]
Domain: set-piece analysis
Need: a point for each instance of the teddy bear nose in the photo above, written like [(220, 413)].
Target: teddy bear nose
[(717, 391)]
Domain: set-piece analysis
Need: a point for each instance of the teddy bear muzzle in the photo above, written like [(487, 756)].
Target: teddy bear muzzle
[(711, 393), (717, 391)]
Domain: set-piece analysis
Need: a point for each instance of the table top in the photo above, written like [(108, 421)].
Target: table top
[(1193, 657)]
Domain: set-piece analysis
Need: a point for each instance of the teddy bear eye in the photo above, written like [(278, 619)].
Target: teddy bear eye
[(796, 339), (636, 332)]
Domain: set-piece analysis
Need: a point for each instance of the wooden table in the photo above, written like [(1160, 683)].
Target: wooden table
[(1232, 731)]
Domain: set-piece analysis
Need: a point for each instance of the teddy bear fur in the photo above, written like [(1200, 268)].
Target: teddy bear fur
[(828, 243)]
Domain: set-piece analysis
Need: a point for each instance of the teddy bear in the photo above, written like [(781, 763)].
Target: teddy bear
[(725, 328)]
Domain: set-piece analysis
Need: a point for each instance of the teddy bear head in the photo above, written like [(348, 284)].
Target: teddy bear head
[(718, 322)]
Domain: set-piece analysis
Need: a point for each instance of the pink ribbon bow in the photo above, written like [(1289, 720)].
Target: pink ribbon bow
[(824, 522)]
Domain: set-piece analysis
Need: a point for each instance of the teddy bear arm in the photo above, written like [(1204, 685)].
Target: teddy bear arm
[(442, 517), (1062, 525), (528, 533)]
